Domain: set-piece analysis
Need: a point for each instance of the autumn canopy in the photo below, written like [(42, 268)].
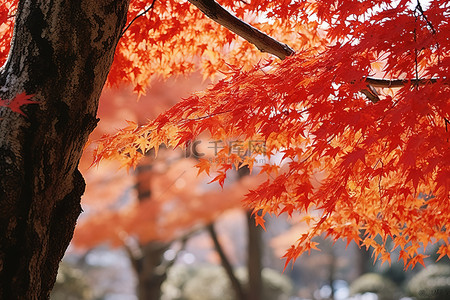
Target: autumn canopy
[(359, 113)]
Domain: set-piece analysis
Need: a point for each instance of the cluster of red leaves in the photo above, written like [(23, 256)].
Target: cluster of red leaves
[(171, 37), (174, 37), (385, 165), (7, 10)]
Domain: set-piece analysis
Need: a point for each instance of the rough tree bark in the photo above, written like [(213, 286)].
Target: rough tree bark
[(61, 53)]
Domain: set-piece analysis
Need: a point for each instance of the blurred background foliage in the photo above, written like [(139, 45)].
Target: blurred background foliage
[(161, 232)]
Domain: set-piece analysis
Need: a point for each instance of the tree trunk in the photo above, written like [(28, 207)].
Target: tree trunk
[(363, 259), (254, 263), (151, 270), (61, 53), (254, 251)]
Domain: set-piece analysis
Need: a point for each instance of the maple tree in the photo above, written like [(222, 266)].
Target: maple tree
[(59, 57), (382, 141), (367, 106)]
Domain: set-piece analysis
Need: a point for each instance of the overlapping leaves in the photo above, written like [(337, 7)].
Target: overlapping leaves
[(383, 167)]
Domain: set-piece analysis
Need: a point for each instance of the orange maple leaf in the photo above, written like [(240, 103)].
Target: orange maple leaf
[(203, 165), (259, 220)]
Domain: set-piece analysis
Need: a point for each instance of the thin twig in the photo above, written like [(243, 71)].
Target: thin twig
[(416, 55), (446, 126), (422, 13), (168, 188), (137, 16), (208, 116), (420, 9)]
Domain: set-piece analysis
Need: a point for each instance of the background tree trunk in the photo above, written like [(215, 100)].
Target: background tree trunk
[(254, 251), (254, 263), (235, 283), (61, 53), (363, 259), (151, 268)]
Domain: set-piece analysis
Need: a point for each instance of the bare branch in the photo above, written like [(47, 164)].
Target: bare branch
[(386, 83), (262, 41), (138, 16), (420, 9), (371, 94), (132, 256), (240, 294)]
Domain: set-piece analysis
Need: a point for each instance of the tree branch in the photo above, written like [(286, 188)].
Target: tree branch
[(386, 83), (133, 258), (265, 43), (420, 9), (262, 41), (167, 264), (226, 263), (138, 16), (372, 83)]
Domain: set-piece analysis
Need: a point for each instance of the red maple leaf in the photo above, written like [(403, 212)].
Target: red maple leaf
[(17, 102)]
